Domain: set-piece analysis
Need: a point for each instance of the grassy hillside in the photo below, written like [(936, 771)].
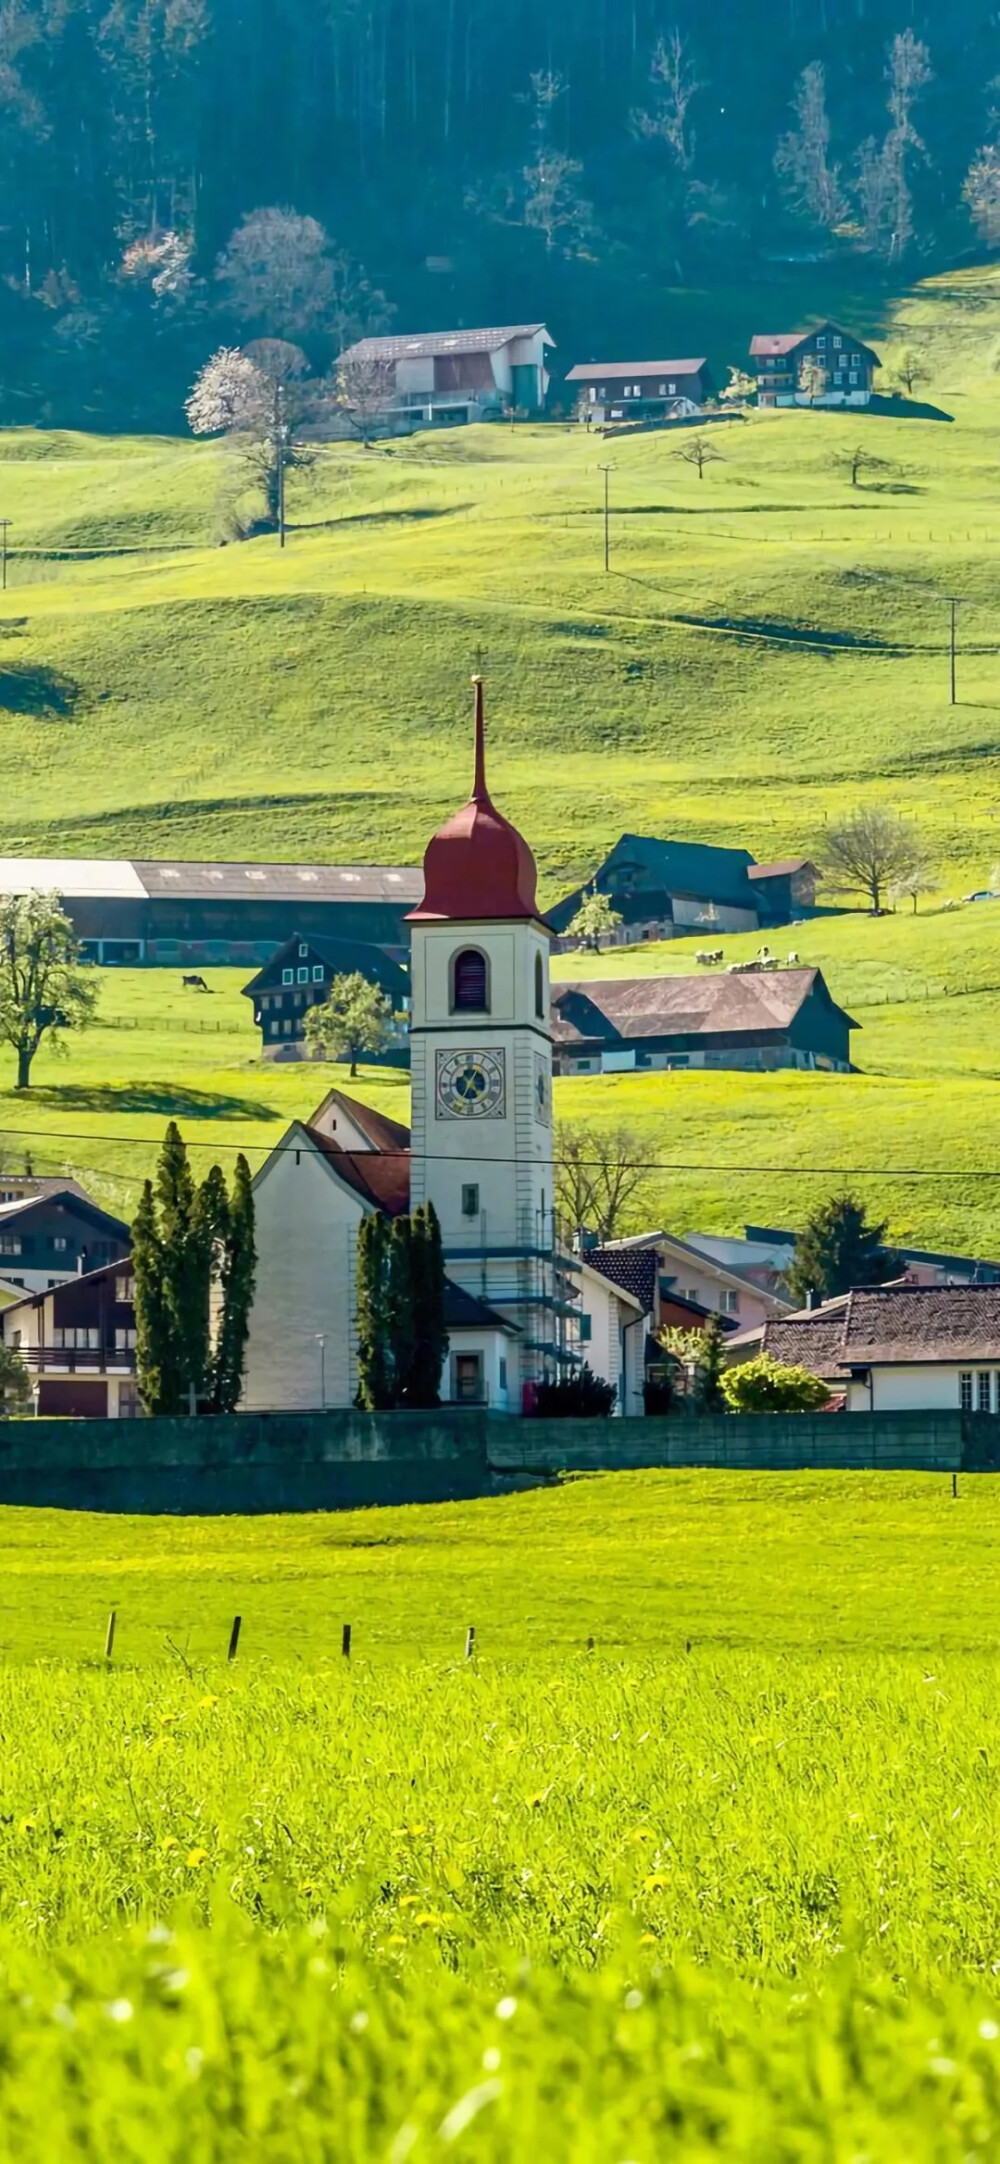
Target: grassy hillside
[(721, 1887), (917, 1130), (769, 641)]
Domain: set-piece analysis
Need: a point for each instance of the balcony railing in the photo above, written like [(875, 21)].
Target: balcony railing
[(77, 1359)]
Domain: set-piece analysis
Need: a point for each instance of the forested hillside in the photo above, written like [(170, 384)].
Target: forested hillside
[(606, 166)]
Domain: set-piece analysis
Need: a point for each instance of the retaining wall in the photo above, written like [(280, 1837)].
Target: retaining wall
[(342, 1460)]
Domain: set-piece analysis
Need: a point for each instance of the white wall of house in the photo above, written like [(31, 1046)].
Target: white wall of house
[(712, 916), (493, 1348), (935, 1386), (612, 1337), (306, 1230)]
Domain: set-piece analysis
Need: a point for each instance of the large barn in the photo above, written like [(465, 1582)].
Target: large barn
[(140, 911), (787, 1019)]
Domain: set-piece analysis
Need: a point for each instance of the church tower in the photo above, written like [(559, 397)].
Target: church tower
[(481, 1071)]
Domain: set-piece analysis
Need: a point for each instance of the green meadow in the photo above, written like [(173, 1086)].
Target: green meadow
[(769, 642), (720, 1882)]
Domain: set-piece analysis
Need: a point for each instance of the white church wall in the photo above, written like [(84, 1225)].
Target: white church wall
[(306, 1230)]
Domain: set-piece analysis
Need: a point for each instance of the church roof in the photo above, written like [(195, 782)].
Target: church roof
[(477, 866)]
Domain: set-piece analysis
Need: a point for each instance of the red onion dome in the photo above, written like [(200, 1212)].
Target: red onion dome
[(478, 866)]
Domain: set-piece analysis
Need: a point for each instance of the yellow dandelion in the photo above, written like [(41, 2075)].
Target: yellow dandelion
[(208, 1701), (396, 1939), (655, 1882), (195, 1856), (648, 1939), (641, 1833), (169, 1841), (408, 1901), (414, 1831)]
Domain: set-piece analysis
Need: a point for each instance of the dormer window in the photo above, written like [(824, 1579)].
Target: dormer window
[(470, 982)]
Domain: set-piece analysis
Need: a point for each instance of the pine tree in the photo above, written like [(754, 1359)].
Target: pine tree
[(237, 1278), (186, 1242), (400, 1332), (430, 1335), (839, 1249), (374, 1378)]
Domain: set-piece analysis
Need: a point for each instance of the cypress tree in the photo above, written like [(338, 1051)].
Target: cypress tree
[(186, 1248), (400, 1330), (430, 1335), (237, 1278), (374, 1380), (155, 1354)]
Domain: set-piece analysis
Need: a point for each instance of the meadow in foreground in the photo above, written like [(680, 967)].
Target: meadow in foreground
[(723, 1885)]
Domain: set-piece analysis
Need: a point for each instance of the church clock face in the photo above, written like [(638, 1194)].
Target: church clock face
[(470, 1086)]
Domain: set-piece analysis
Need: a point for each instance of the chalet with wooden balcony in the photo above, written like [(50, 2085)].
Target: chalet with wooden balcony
[(54, 1234), (77, 1341), (825, 367)]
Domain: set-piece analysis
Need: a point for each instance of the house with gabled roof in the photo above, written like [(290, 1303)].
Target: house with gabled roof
[(299, 976), (442, 379), (662, 889), (827, 366), (641, 390), (893, 1348), (784, 1018), (56, 1234)]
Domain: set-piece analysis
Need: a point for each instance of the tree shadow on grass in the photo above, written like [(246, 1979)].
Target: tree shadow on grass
[(38, 690), (168, 1099)]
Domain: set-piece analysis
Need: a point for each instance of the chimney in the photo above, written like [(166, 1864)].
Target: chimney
[(812, 1300)]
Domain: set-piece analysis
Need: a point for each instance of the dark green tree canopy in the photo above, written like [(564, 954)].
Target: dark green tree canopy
[(838, 1248)]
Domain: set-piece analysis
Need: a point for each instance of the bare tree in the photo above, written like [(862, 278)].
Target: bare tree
[(871, 849), (909, 371), (981, 191), (698, 451), (675, 84), (365, 387), (860, 461), (552, 204), (599, 1173), (802, 159), (883, 174), (811, 379)]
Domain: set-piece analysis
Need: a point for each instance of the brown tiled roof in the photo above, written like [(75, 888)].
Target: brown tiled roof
[(282, 882), (679, 1006), (615, 370), (776, 342), (812, 1342), (634, 1268), (382, 1132), (380, 1179), (921, 1323), (434, 345)]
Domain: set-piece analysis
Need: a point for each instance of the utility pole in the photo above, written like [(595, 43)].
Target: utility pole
[(953, 608), (281, 432), (607, 472), (4, 523)]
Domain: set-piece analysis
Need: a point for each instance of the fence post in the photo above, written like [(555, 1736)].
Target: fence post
[(345, 1641), (234, 1637), (109, 1635), (470, 1641)]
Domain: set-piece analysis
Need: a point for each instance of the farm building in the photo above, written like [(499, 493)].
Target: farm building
[(300, 975), (824, 367), (442, 379), (893, 1348), (171, 913), (787, 1019), (641, 390), (665, 889)]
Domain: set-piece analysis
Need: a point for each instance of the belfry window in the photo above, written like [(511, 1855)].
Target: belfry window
[(470, 982)]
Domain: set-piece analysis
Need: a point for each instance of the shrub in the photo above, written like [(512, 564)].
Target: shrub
[(768, 1386), (583, 1396)]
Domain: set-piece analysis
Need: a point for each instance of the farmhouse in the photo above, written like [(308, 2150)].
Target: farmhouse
[(48, 1237), (666, 889), (77, 1341), (173, 913), (299, 976), (442, 379), (784, 1019), (641, 390), (894, 1348), (824, 367)]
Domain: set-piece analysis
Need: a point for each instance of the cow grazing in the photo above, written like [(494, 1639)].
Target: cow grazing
[(194, 984)]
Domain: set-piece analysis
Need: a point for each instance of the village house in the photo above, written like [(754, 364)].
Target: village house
[(444, 379), (893, 1348), (675, 1288), (299, 976), (782, 1019), (766, 1254), (824, 367), (612, 1334), (77, 1341), (56, 1234), (641, 390), (667, 890)]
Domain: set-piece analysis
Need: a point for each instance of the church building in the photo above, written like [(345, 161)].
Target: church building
[(481, 1150)]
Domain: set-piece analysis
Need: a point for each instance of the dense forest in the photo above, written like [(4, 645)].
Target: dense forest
[(449, 160)]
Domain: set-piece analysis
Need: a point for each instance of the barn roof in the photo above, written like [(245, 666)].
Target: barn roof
[(146, 878), (435, 345), (669, 1006), (614, 370)]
